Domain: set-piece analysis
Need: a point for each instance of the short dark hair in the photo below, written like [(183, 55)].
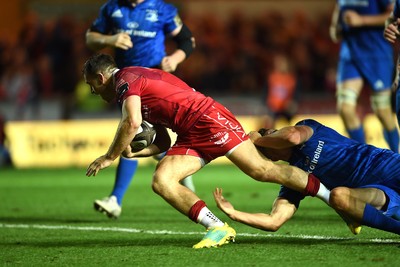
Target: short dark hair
[(98, 62)]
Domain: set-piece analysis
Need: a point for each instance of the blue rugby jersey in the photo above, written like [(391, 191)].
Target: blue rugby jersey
[(339, 161), (148, 24), (364, 42)]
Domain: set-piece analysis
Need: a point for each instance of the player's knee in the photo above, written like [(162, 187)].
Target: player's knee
[(339, 199), (346, 110), (158, 184), (381, 102), (346, 97)]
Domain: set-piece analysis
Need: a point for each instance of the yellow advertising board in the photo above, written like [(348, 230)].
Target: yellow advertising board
[(77, 143), (59, 143)]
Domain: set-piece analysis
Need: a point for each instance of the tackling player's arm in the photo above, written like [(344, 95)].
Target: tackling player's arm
[(282, 211), (286, 137)]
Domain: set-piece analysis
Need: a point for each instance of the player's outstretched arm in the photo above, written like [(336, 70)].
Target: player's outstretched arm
[(284, 138), (282, 211)]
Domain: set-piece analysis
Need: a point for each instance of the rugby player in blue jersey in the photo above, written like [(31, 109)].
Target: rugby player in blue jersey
[(364, 57), (136, 30), (391, 33), (364, 180)]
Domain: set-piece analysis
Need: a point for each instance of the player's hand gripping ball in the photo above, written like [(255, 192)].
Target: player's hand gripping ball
[(144, 137)]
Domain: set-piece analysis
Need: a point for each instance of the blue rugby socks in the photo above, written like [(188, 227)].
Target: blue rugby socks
[(376, 219), (125, 171), (397, 105), (392, 139), (357, 134)]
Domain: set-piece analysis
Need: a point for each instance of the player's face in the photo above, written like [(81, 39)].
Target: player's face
[(98, 86), (94, 83)]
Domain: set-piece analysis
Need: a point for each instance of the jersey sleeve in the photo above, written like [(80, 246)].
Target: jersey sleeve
[(171, 18), (102, 23), (310, 123), (292, 196), (128, 84)]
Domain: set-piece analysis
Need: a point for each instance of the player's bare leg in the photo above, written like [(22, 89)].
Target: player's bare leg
[(382, 107), (166, 182), (251, 162), (350, 204), (351, 201), (347, 96)]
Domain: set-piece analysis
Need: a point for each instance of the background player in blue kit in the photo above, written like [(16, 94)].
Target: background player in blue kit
[(364, 180), (391, 32), (137, 31), (365, 57)]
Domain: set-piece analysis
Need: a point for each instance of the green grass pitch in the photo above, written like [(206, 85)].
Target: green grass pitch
[(47, 219)]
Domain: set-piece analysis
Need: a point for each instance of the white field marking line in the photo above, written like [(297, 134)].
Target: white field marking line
[(163, 232)]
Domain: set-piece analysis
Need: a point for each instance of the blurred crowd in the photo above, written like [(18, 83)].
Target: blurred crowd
[(44, 63), (233, 57)]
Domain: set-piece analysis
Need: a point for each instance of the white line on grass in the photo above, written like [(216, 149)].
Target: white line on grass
[(163, 232)]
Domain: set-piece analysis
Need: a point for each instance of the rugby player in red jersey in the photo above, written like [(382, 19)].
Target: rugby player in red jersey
[(205, 131)]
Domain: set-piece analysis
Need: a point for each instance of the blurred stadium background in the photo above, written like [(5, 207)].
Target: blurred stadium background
[(42, 49)]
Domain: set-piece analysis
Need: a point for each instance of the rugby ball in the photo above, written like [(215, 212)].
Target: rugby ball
[(144, 137)]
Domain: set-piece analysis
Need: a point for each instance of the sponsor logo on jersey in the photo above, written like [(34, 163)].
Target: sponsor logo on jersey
[(230, 125), (117, 14), (140, 33), (317, 153), (223, 138)]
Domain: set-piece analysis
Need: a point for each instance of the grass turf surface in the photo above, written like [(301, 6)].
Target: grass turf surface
[(47, 219)]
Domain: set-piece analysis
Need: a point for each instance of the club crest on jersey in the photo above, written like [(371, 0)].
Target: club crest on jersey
[(223, 138), (132, 25), (151, 15)]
